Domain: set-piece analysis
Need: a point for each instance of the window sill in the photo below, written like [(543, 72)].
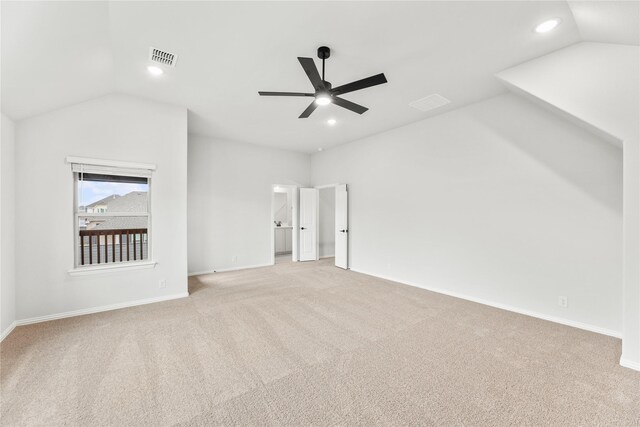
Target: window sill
[(98, 269)]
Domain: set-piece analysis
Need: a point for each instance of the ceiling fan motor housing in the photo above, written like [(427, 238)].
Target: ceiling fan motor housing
[(324, 52)]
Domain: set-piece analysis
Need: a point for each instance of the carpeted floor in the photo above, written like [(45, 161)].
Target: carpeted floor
[(308, 344)]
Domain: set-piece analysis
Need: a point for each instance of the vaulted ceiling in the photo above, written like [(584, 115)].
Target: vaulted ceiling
[(56, 54)]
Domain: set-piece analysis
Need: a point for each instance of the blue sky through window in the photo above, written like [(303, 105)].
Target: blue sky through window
[(92, 191)]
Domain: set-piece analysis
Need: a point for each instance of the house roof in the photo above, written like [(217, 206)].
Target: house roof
[(121, 223), (135, 201), (103, 201)]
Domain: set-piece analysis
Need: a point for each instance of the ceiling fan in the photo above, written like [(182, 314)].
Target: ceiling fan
[(324, 94)]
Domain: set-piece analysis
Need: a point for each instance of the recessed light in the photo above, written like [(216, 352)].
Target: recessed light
[(548, 25), (331, 122), (323, 100), (320, 149), (156, 71)]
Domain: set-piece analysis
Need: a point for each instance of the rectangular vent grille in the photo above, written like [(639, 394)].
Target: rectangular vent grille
[(430, 102), (162, 57)]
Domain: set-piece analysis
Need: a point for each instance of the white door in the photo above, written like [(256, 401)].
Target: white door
[(308, 224), (342, 227)]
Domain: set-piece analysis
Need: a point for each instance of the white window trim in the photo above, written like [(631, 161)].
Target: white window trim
[(108, 214), (113, 267), (110, 163), (78, 270)]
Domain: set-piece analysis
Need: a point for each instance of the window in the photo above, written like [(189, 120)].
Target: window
[(112, 215)]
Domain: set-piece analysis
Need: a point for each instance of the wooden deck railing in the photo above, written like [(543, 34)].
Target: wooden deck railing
[(131, 244)]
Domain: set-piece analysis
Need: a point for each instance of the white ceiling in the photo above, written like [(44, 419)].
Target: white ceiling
[(608, 21), (53, 55), (57, 54)]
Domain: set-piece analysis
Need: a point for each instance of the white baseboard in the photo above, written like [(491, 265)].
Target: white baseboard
[(92, 310), (630, 364), (222, 270), (7, 331), (327, 256), (535, 314)]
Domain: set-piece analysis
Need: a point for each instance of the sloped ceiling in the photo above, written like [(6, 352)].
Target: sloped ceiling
[(57, 54), (608, 21), (53, 54)]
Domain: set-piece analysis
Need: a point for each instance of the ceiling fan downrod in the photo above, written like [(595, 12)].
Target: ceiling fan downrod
[(323, 53)]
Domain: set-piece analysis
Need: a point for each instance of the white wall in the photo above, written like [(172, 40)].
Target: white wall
[(114, 127), (597, 84), (230, 187), (500, 201), (327, 221), (7, 226)]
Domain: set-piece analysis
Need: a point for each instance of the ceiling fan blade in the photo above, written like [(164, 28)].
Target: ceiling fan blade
[(309, 67), (378, 79), (349, 105), (310, 109), (261, 93)]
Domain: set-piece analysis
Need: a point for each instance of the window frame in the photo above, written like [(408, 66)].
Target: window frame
[(113, 168)]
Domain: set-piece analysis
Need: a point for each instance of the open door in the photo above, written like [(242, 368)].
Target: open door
[(342, 227), (308, 224)]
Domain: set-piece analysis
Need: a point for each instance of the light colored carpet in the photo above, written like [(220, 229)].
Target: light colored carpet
[(309, 344)]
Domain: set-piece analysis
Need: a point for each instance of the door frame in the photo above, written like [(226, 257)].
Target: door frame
[(294, 222), (335, 187)]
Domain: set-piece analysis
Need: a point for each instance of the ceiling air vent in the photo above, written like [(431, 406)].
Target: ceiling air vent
[(430, 102), (162, 57)]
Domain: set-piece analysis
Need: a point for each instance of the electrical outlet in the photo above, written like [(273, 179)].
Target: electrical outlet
[(234, 259), (162, 284), (563, 302)]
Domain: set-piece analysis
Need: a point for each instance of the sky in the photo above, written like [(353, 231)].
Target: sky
[(92, 191)]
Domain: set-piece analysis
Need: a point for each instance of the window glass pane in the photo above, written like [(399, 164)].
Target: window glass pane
[(111, 193), (112, 239)]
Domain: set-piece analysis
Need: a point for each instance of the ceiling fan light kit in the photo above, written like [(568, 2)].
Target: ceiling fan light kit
[(324, 93)]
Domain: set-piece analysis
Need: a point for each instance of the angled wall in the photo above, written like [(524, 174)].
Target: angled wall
[(597, 84)]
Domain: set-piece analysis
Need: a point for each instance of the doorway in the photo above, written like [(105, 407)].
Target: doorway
[(333, 229), (326, 222), (284, 224), (309, 223)]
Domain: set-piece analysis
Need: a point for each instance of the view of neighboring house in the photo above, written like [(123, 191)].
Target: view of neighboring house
[(134, 201), (118, 229), (102, 204)]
